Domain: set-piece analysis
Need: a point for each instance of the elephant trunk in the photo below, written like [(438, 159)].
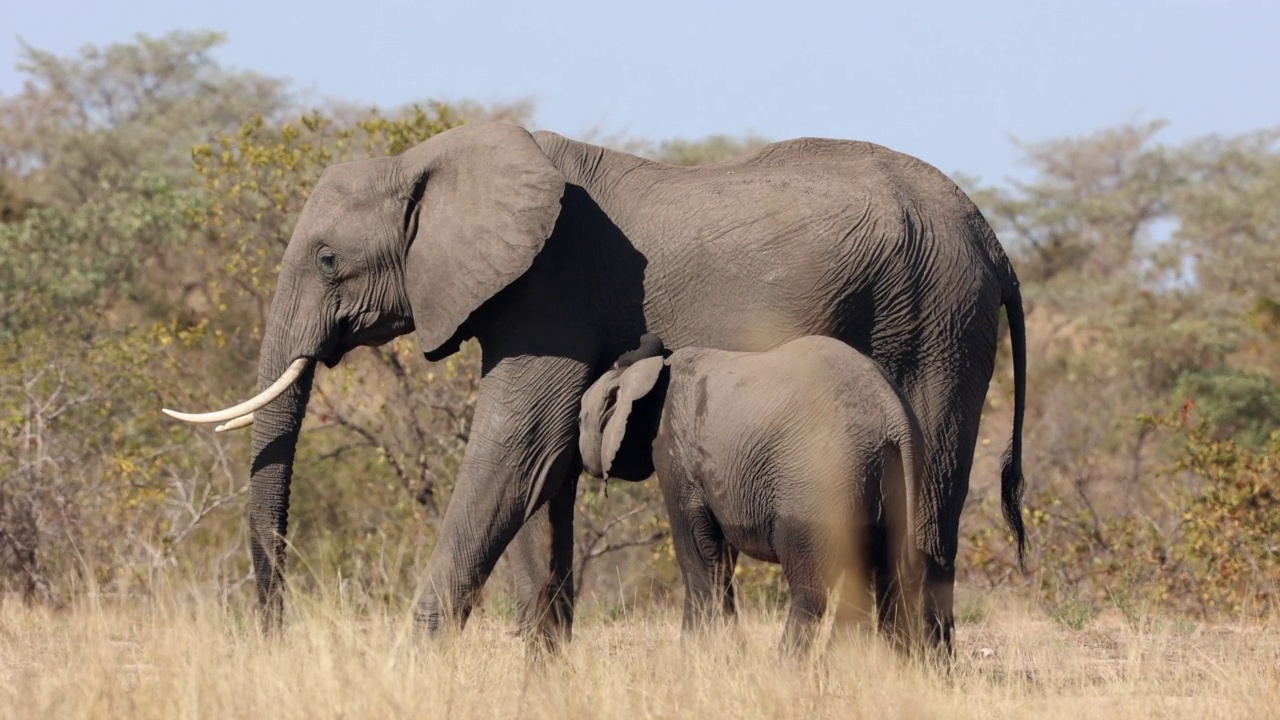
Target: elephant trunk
[(275, 441), (589, 443)]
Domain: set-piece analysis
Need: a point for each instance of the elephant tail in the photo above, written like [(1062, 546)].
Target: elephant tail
[(1012, 482), (910, 450), (904, 538)]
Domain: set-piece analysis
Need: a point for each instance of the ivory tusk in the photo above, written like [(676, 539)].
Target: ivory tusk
[(287, 378), (242, 421)]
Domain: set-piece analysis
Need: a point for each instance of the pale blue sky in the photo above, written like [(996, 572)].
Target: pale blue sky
[(949, 82)]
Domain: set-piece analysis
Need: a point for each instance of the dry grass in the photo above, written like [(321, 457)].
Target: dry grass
[(181, 658)]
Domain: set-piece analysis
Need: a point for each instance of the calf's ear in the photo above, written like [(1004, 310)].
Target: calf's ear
[(637, 381)]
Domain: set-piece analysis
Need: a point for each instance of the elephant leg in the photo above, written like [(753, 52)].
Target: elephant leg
[(521, 451), (898, 601), (707, 562), (949, 481), (939, 601), (894, 565), (724, 575), (542, 562), (881, 579), (808, 603), (855, 607), (952, 406)]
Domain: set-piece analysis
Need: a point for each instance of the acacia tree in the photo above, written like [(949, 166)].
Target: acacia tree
[(108, 113)]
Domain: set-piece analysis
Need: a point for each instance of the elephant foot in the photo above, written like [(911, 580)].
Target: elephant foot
[(437, 620), (939, 600), (796, 646), (546, 638), (271, 613)]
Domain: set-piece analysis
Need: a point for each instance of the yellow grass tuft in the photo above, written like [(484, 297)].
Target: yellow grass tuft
[(177, 657)]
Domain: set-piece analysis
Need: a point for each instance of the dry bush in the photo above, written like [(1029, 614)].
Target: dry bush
[(1194, 538)]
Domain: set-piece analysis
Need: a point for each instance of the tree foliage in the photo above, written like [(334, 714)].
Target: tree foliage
[(1151, 273), (109, 113)]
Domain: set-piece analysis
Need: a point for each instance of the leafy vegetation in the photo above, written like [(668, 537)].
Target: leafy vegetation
[(146, 196), (1142, 309)]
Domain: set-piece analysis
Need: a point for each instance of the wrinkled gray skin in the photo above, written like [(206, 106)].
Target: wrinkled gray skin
[(555, 255), (791, 456)]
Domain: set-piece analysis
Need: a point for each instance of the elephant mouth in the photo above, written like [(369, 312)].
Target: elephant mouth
[(350, 335), (339, 344)]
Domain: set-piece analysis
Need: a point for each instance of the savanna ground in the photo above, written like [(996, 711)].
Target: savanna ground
[(146, 196), (176, 656)]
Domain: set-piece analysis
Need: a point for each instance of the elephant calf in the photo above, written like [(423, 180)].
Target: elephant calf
[(789, 455)]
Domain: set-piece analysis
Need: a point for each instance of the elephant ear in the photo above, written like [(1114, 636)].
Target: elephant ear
[(480, 202), (637, 381)]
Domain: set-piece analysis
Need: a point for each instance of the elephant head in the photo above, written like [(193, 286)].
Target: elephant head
[(386, 246), (621, 412)]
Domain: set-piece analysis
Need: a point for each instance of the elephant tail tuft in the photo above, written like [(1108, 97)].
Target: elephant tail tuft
[(1012, 482)]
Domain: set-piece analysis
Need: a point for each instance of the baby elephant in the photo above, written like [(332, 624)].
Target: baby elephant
[(790, 456)]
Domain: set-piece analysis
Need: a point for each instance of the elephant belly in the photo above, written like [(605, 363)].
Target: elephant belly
[(751, 540), (746, 507), (772, 520)]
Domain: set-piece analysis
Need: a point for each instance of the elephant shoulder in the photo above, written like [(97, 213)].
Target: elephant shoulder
[(549, 141)]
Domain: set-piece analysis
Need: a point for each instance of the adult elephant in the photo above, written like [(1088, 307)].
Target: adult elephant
[(556, 255)]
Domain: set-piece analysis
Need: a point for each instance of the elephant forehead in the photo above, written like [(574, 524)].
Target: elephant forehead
[(347, 177), (331, 208), (349, 185)]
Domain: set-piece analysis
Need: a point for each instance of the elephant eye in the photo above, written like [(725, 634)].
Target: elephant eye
[(328, 262)]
